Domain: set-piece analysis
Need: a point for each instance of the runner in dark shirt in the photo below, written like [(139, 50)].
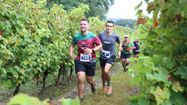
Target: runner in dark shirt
[(125, 51), (136, 49), (107, 54)]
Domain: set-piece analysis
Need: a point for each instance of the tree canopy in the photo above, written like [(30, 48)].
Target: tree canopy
[(97, 7), (126, 22)]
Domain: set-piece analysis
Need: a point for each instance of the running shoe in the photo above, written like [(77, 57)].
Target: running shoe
[(109, 90), (105, 89)]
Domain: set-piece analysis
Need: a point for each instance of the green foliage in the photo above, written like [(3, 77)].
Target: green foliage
[(69, 101), (182, 72), (165, 46), (35, 39), (126, 23), (177, 95), (161, 95), (96, 7), (96, 25), (23, 99), (139, 100)]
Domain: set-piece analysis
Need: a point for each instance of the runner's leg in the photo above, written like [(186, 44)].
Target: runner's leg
[(90, 72), (108, 78), (123, 62), (91, 81), (103, 76), (80, 86), (107, 69)]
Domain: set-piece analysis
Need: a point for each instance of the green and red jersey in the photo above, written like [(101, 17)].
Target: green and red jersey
[(85, 41), (127, 47)]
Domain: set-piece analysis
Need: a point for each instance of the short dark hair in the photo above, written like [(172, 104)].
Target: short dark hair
[(110, 21), (84, 19)]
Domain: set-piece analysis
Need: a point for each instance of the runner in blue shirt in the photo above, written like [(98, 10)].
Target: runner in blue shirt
[(136, 48), (107, 54)]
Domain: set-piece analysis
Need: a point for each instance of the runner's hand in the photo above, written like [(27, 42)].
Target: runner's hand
[(73, 57), (119, 54), (87, 51)]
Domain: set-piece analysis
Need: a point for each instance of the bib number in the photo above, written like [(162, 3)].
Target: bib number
[(136, 50), (85, 57), (106, 54)]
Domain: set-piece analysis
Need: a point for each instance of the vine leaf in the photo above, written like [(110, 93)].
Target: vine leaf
[(176, 86), (160, 94), (182, 71)]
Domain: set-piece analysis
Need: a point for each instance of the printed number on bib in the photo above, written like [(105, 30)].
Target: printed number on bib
[(106, 54), (85, 57), (136, 50)]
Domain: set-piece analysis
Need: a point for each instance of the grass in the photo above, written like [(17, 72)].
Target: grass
[(121, 91)]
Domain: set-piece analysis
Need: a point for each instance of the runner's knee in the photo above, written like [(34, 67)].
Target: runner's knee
[(80, 80), (90, 80), (80, 77)]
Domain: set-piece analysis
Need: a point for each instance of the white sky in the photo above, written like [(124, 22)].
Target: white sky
[(125, 9)]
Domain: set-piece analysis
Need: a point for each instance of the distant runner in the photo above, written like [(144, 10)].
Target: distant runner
[(136, 48), (125, 51)]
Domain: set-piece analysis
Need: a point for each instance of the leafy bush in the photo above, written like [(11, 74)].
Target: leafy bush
[(161, 72)]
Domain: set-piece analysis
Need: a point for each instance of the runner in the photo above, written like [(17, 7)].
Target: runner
[(107, 55), (85, 61), (125, 47), (136, 48)]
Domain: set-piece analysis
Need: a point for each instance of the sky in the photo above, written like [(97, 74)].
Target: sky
[(125, 9)]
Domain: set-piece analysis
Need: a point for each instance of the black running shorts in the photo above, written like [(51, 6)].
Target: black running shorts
[(87, 67)]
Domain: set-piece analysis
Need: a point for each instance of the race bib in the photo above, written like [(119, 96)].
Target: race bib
[(136, 50), (106, 54), (85, 57)]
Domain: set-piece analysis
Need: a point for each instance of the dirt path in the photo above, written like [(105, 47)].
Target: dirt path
[(73, 92)]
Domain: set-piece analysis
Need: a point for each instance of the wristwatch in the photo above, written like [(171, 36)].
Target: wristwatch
[(93, 51)]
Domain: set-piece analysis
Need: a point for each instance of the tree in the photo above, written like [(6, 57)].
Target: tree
[(126, 22), (97, 7)]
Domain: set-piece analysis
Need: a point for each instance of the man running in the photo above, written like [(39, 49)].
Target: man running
[(107, 54), (85, 61), (136, 48), (125, 47)]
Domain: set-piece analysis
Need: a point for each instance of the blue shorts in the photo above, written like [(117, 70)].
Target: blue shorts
[(110, 60), (135, 52), (87, 67)]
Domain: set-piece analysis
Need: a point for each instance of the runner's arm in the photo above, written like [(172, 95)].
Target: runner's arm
[(93, 50), (98, 44), (120, 47), (97, 47), (120, 50), (71, 54)]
